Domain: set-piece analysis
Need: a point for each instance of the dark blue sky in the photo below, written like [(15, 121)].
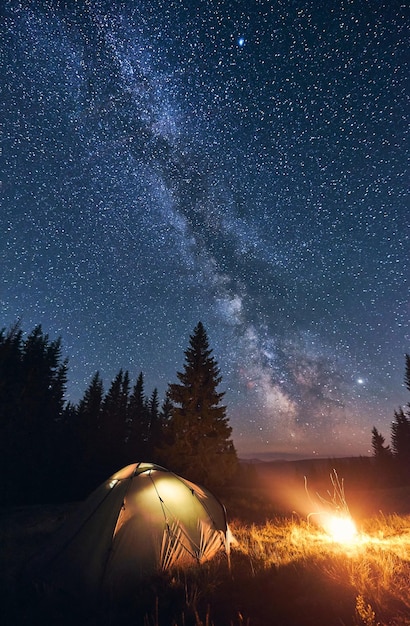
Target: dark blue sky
[(239, 163)]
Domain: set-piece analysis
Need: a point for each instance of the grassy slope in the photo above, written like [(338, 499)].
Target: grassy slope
[(283, 572)]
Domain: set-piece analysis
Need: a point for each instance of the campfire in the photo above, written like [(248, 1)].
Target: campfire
[(333, 514), (340, 528)]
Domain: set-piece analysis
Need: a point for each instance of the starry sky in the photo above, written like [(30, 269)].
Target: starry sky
[(241, 163)]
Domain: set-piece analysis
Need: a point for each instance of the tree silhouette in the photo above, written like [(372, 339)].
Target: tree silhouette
[(112, 433), (137, 423), (11, 420), (45, 378), (155, 424), (87, 426), (198, 433), (400, 438), (53, 446), (33, 379), (407, 374), (400, 431), (166, 409), (380, 450), (89, 408), (383, 459)]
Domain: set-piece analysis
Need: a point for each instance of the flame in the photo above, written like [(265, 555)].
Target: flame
[(341, 528)]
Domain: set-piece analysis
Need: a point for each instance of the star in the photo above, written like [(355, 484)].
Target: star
[(153, 183)]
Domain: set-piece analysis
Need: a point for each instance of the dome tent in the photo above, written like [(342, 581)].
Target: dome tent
[(141, 520)]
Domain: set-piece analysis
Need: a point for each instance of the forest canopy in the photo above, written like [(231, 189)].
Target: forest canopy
[(52, 449), (61, 450)]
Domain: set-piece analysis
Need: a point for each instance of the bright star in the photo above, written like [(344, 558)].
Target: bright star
[(241, 42)]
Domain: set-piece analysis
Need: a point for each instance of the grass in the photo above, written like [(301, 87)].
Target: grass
[(285, 571), (338, 584)]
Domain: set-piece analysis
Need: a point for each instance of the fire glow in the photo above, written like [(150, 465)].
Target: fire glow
[(340, 528), (334, 517)]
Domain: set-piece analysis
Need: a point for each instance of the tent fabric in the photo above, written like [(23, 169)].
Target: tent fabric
[(143, 519)]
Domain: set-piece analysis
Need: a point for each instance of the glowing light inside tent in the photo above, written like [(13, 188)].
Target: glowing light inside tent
[(172, 489), (341, 529)]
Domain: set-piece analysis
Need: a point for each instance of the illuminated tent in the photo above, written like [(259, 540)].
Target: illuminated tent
[(143, 519)]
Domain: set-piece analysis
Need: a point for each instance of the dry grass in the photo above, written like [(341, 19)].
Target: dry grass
[(373, 569), (284, 572)]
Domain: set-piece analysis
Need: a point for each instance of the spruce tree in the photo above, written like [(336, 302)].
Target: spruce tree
[(162, 434), (32, 387), (199, 442), (407, 374), (89, 407), (400, 440), (383, 459), (166, 409), (380, 450), (137, 424), (155, 423), (400, 432), (113, 423), (88, 425)]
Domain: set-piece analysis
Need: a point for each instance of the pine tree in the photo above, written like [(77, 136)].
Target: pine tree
[(45, 377), (155, 423), (124, 400), (407, 373), (400, 431), (400, 437), (162, 435), (137, 424), (33, 379), (383, 459), (88, 425), (199, 444), (166, 409), (89, 407), (380, 450), (11, 419), (113, 423)]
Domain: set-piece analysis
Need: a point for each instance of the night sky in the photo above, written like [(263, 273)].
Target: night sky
[(239, 163)]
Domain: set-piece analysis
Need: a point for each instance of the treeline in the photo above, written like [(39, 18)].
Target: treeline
[(51, 449), (393, 460)]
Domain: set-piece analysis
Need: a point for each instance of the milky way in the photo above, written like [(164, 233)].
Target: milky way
[(242, 164)]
